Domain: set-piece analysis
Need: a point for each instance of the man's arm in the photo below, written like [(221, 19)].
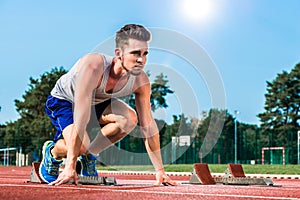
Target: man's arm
[(90, 69), (150, 132)]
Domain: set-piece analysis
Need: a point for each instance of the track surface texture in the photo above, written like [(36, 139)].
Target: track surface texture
[(14, 185)]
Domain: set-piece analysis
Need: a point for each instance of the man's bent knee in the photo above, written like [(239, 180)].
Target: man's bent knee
[(129, 121), (125, 123)]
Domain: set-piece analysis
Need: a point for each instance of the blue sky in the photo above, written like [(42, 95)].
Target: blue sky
[(249, 41)]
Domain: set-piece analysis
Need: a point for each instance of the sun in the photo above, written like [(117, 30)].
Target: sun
[(198, 9)]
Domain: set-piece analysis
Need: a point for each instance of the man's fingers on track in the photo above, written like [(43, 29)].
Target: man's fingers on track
[(56, 182), (52, 183), (60, 182), (170, 183)]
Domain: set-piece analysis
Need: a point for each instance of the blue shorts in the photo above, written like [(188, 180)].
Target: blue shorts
[(61, 113)]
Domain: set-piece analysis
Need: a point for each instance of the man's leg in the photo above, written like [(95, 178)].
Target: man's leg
[(53, 154), (60, 148), (86, 162), (119, 120), (61, 114)]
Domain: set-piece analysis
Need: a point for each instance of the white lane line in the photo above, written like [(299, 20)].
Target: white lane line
[(151, 191)]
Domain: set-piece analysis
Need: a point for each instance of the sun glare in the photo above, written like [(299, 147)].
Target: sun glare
[(198, 9)]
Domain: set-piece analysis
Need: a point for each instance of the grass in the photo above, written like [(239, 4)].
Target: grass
[(214, 168)]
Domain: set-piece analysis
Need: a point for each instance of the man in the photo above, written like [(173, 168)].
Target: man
[(93, 85)]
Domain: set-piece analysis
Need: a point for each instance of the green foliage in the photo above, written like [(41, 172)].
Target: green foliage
[(223, 150), (33, 126), (2, 134), (282, 101), (281, 118), (159, 90)]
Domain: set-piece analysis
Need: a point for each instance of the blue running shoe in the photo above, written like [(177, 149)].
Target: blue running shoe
[(49, 168), (87, 165)]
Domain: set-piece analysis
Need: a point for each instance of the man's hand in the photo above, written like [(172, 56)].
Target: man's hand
[(66, 176), (162, 178)]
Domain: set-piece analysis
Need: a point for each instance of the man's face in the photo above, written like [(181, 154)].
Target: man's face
[(134, 56)]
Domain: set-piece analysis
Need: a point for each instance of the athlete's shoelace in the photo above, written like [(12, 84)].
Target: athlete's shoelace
[(91, 167), (52, 168)]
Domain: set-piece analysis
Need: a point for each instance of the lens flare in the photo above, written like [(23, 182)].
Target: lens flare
[(198, 9)]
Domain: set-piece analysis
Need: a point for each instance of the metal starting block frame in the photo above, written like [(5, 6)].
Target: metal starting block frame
[(245, 181), (234, 175), (84, 180)]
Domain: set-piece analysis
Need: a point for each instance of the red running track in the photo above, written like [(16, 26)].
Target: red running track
[(14, 185)]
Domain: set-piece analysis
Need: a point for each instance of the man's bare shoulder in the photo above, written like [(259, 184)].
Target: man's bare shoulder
[(93, 61), (95, 58)]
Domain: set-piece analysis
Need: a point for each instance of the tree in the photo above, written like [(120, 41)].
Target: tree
[(281, 118), (159, 91), (248, 142), (208, 142), (223, 150), (33, 125), (282, 101), (2, 134)]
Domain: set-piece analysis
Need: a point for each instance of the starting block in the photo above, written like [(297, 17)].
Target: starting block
[(234, 175), (201, 175), (34, 174), (84, 180)]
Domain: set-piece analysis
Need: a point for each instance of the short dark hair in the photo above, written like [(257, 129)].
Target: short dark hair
[(131, 31)]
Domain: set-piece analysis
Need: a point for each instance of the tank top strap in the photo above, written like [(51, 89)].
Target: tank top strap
[(107, 64)]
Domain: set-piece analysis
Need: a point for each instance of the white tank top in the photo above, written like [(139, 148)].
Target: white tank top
[(65, 86)]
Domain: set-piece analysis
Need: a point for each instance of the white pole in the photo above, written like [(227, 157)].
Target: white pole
[(4, 161), (7, 156), (20, 157), (283, 155), (262, 156), (235, 142), (236, 112), (298, 147)]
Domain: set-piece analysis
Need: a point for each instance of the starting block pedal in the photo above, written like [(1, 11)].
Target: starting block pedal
[(84, 180), (235, 171), (34, 174), (201, 175)]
